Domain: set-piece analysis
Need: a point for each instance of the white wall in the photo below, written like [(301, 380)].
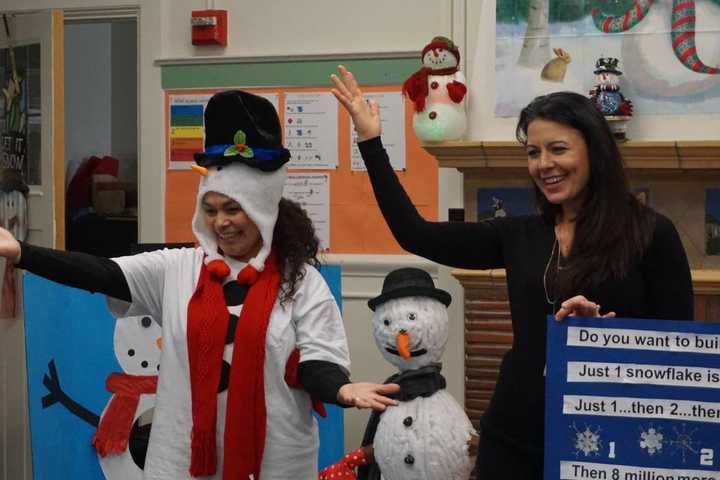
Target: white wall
[(289, 27), (123, 101), (88, 120)]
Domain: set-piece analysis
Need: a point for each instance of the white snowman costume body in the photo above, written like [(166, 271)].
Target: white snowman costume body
[(137, 348), (162, 283), (427, 437), (442, 118)]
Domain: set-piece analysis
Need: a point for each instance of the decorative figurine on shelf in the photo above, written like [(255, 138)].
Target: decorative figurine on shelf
[(438, 92), (608, 98), (427, 436)]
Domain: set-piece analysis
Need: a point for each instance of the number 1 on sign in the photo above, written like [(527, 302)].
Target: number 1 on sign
[(611, 449)]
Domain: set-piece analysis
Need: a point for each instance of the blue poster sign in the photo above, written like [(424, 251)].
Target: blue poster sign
[(632, 400)]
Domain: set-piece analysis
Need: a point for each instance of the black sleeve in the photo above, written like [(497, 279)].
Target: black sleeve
[(76, 269), (667, 274), (476, 245), (322, 380)]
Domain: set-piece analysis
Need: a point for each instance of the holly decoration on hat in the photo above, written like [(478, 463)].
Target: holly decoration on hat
[(240, 148)]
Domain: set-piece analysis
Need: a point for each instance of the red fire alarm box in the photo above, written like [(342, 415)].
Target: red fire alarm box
[(209, 27)]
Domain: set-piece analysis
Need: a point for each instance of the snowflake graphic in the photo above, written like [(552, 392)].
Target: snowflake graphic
[(684, 442), (651, 440), (586, 441)]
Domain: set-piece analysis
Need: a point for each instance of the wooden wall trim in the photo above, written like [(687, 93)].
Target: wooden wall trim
[(667, 155), (58, 126)]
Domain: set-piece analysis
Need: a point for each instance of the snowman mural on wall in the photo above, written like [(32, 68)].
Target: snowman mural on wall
[(438, 91), (427, 436), (123, 428)]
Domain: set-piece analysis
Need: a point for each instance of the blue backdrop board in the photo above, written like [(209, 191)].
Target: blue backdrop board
[(72, 345), (632, 400)]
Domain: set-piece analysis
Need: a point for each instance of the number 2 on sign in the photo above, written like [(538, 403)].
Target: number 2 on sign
[(706, 456)]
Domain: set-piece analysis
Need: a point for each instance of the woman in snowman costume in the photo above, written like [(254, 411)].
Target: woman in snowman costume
[(251, 334)]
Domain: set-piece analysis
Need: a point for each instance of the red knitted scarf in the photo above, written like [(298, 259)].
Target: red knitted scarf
[(416, 87), (207, 327), (113, 432)]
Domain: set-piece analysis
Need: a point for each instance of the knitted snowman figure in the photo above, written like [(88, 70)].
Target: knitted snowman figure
[(438, 92), (427, 436)]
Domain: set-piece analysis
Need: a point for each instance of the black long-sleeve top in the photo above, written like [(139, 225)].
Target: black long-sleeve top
[(321, 379), (658, 286)]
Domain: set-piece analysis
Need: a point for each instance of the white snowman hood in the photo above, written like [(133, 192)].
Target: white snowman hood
[(423, 320), (243, 159), (257, 192)]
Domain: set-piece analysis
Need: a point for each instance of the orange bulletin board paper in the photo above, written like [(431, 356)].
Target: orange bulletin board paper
[(356, 224)]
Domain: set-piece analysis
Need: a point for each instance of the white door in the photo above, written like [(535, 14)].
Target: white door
[(32, 36)]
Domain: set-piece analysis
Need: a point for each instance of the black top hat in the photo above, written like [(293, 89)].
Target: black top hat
[(408, 282), (242, 127), (607, 65)]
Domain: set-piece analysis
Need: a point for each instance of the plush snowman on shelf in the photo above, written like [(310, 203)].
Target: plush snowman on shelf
[(438, 91), (428, 435), (609, 99)]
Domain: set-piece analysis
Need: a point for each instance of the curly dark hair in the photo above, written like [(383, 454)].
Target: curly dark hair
[(612, 228), (296, 244)]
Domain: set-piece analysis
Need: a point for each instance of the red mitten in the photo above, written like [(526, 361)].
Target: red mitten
[(457, 91), (345, 468)]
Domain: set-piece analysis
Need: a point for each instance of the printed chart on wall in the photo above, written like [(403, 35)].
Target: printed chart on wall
[(392, 112), (632, 400), (185, 123)]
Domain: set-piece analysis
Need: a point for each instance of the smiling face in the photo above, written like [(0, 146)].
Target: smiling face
[(420, 322), (606, 78), (236, 234), (558, 163), (437, 58)]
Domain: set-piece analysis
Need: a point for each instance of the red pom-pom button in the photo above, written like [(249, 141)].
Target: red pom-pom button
[(218, 269), (247, 275)]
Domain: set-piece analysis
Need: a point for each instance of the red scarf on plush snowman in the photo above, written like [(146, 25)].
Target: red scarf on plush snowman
[(416, 87)]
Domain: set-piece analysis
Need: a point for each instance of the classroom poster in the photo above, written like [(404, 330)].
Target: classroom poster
[(392, 117), (632, 400), (312, 192), (311, 130), (186, 126)]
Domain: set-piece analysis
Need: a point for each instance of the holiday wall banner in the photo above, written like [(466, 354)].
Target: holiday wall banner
[(632, 399)]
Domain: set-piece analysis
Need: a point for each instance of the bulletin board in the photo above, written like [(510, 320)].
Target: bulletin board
[(356, 224)]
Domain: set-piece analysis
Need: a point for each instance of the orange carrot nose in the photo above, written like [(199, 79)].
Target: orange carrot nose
[(158, 342), (403, 344), (201, 170)]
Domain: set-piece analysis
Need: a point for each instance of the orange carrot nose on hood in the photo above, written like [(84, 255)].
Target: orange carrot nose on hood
[(402, 340)]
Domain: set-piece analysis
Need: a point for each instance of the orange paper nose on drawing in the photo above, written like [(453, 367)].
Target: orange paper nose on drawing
[(403, 344), (158, 342)]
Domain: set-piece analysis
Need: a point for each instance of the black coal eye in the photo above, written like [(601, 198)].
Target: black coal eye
[(146, 322), (412, 316), (131, 352), (144, 364), (219, 168), (386, 322)]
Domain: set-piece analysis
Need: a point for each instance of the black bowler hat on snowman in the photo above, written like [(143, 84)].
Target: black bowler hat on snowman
[(409, 282), (607, 65)]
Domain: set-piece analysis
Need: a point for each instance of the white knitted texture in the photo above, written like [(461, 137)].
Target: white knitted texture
[(257, 192)]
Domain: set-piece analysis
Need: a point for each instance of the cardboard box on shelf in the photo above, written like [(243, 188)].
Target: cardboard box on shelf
[(113, 198)]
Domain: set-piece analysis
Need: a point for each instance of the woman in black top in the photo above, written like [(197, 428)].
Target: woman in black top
[(592, 250)]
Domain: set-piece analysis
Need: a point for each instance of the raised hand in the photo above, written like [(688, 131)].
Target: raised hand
[(9, 246), (365, 114), (368, 395)]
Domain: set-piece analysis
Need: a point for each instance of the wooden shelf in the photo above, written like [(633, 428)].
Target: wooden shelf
[(705, 282), (697, 156)]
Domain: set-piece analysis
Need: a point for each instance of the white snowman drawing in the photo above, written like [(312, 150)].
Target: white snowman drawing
[(123, 428), (438, 92), (427, 436)]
